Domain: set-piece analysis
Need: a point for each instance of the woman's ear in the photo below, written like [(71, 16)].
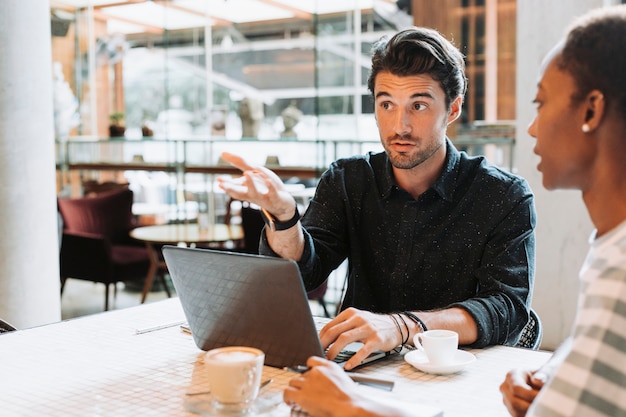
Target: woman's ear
[(595, 106)]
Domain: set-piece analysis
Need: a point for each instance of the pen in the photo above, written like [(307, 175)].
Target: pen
[(160, 327), (383, 384)]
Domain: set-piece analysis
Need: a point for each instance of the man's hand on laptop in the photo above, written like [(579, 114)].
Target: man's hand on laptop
[(375, 331)]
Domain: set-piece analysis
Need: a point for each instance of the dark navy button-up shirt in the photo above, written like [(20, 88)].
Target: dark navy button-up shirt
[(468, 241)]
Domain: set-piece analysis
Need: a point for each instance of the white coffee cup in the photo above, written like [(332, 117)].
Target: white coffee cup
[(440, 346), (234, 374)]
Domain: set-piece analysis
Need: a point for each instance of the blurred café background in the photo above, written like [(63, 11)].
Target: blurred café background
[(146, 94)]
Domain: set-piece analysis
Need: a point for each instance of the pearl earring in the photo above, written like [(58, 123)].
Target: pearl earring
[(586, 128)]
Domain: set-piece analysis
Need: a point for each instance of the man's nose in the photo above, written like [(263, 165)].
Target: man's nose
[(403, 123)]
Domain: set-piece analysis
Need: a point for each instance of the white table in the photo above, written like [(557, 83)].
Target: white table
[(100, 366)]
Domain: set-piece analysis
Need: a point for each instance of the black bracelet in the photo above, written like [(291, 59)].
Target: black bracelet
[(274, 224), (399, 329), (408, 332), (416, 320)]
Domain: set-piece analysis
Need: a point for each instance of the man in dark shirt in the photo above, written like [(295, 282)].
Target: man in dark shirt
[(434, 239)]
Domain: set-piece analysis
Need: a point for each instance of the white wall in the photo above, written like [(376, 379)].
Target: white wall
[(29, 262), (563, 226)]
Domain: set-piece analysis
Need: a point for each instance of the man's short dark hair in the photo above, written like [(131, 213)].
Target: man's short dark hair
[(417, 51)]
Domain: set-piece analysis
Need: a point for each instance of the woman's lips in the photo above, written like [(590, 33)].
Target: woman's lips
[(539, 163)]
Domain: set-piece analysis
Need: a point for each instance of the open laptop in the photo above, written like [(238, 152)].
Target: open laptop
[(234, 299)]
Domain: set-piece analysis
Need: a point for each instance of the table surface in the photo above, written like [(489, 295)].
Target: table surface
[(187, 233), (138, 362)]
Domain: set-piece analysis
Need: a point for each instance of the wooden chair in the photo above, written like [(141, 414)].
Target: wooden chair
[(96, 245)]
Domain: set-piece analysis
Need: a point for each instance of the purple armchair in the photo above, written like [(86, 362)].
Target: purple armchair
[(96, 245)]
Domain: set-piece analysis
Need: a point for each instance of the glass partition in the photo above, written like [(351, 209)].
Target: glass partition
[(178, 69), (168, 85)]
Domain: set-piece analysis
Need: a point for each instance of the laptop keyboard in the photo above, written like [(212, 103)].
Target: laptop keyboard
[(342, 356)]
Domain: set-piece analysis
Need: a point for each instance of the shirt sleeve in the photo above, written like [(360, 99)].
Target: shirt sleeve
[(506, 274), (329, 248)]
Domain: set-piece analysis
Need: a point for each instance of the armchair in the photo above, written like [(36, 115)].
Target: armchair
[(96, 245)]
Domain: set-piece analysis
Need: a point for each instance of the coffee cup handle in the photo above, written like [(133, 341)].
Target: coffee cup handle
[(418, 343)]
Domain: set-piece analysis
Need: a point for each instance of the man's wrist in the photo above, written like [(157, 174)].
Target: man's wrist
[(396, 321), (274, 224), (415, 319)]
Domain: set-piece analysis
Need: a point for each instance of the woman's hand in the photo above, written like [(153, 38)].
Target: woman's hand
[(519, 389), (327, 391), (324, 390)]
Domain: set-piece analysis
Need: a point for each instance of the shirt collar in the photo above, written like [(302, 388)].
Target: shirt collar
[(445, 184)]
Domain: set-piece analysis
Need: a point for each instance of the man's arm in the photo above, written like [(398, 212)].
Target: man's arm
[(388, 331), (506, 274), (455, 319), (287, 243), (324, 234)]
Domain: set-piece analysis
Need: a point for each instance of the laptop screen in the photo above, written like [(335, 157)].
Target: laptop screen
[(232, 299)]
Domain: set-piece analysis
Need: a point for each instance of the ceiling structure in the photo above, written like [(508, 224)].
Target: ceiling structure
[(153, 16), (280, 29)]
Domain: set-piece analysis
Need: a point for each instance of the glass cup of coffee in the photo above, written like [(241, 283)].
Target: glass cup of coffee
[(440, 346), (234, 376)]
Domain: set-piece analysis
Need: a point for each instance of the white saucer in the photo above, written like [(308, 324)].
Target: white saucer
[(204, 405), (418, 359)]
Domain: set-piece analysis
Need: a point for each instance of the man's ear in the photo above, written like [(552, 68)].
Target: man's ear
[(455, 109)]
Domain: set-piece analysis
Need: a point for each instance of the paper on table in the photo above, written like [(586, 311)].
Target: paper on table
[(414, 409)]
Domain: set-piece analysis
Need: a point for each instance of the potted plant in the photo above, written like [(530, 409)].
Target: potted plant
[(146, 130), (117, 128)]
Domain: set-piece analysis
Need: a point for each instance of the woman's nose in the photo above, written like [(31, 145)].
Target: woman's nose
[(532, 128)]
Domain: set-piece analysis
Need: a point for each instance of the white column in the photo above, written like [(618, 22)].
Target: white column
[(29, 250), (563, 226), (491, 61)]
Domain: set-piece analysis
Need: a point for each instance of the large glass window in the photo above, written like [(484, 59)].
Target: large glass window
[(281, 81), (188, 68)]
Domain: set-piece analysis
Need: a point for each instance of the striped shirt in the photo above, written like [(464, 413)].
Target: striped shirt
[(592, 378)]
